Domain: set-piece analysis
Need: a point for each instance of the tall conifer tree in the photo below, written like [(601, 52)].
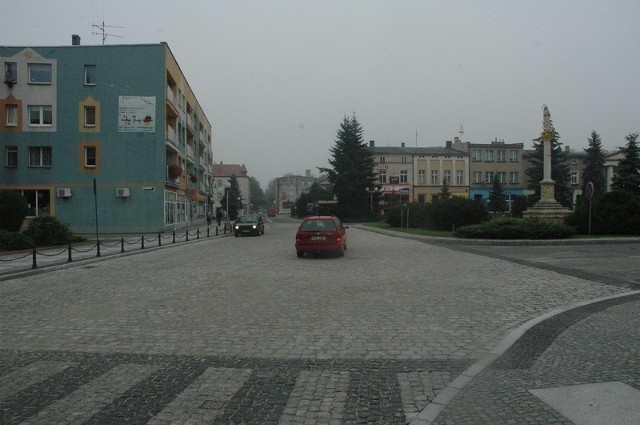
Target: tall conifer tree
[(628, 173), (352, 171)]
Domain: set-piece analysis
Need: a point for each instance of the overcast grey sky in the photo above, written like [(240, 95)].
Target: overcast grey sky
[(276, 77)]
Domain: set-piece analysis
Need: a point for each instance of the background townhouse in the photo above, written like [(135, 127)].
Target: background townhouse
[(418, 174), (115, 126)]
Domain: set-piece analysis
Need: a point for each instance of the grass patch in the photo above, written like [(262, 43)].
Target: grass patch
[(411, 231)]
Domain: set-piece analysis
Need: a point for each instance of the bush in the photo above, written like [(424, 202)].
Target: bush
[(397, 216), (616, 213), (46, 230), (13, 210), (447, 214), (516, 228), (11, 241)]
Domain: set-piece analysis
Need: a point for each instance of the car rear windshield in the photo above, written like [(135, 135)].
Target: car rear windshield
[(318, 226)]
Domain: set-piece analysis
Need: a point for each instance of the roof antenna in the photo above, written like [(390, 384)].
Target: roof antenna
[(102, 31)]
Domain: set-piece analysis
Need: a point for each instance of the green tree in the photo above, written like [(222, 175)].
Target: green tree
[(352, 171), (497, 198), (13, 210), (445, 193), (315, 193), (559, 169), (628, 173), (270, 194), (235, 197), (256, 194), (594, 170)]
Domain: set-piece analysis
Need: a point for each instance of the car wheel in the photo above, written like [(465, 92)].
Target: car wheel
[(300, 254)]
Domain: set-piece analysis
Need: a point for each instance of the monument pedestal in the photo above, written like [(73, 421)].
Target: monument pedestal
[(547, 208)]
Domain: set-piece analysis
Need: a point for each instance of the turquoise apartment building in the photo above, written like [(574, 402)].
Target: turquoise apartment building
[(112, 128)]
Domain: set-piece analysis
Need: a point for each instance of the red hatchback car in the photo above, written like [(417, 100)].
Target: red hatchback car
[(321, 233)]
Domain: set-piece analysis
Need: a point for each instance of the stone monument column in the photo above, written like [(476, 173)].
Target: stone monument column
[(547, 208)]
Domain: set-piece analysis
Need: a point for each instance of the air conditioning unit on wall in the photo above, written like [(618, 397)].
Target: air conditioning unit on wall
[(63, 192), (123, 192)]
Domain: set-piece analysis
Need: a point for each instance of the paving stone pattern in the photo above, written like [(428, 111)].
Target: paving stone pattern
[(239, 330)]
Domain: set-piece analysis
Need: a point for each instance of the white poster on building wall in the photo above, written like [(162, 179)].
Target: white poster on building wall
[(137, 114)]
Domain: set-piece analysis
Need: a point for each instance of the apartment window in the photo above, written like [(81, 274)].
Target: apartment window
[(447, 177), (488, 176), (382, 176), (40, 73), (11, 156), (574, 161), (434, 177), (90, 75), (422, 177), (502, 155), (404, 176), (477, 155), (40, 115), (89, 116), (90, 156), (488, 154), (477, 176), (404, 160), (574, 177), (513, 155), (502, 176), (10, 72), (515, 177), (459, 177), (40, 156), (12, 115), (382, 159)]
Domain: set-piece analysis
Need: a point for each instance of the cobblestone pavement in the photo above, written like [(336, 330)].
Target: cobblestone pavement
[(238, 330)]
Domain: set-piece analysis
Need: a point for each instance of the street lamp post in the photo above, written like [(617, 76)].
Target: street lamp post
[(227, 185), (371, 191)]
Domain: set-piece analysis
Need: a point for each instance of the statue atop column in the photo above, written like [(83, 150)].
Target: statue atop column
[(547, 208)]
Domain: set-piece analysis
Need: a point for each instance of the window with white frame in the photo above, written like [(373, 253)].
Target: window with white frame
[(514, 177), (89, 75), (382, 176), (459, 177), (434, 177), (10, 72), (502, 155), (39, 156), (404, 176), (89, 116), (40, 73), (422, 177), (477, 176), (40, 115), (574, 177), (574, 161), (404, 160), (488, 176), (488, 155), (513, 155), (11, 156), (447, 177), (477, 155), (502, 176), (382, 159), (12, 115)]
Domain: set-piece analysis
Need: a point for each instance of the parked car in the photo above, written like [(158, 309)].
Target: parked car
[(321, 234), (251, 224)]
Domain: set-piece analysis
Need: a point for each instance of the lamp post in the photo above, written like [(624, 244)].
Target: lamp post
[(371, 191), (227, 185)]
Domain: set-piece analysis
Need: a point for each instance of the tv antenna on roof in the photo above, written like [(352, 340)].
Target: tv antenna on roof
[(102, 31)]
